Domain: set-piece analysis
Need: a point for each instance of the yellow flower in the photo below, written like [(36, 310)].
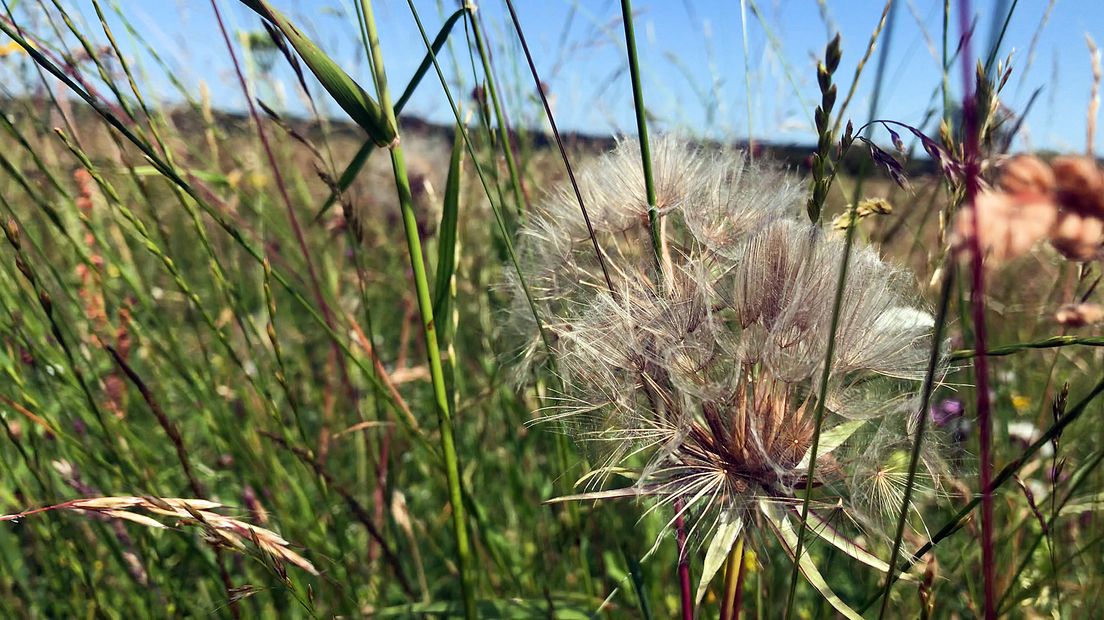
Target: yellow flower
[(11, 47), (1020, 402)]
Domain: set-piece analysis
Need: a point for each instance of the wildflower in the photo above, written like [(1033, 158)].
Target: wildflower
[(946, 411), (1020, 402), (1079, 315), (1025, 434), (1079, 188), (1009, 225), (11, 47), (1025, 175), (705, 379), (1032, 201)]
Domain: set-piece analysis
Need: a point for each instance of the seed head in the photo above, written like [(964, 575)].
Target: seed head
[(705, 378)]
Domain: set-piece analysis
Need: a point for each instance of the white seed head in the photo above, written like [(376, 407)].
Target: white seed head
[(705, 376)]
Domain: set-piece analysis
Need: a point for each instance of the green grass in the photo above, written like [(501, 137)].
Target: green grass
[(176, 322)]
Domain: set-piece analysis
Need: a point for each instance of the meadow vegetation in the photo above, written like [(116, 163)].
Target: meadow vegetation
[(268, 365)]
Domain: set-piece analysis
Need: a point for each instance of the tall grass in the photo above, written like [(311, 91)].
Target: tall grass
[(213, 320)]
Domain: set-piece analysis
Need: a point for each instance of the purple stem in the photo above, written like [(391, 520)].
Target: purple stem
[(685, 592), (977, 297)]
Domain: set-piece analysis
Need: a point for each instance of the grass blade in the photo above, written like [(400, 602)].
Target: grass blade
[(357, 103)]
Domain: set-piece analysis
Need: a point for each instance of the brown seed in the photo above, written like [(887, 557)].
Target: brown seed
[(1079, 315), (1080, 185), (1026, 174)]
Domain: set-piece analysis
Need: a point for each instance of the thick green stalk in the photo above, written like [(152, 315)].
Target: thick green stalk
[(425, 306), (685, 593)]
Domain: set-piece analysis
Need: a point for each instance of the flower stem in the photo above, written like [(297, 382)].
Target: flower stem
[(925, 397), (977, 298), (657, 251), (734, 581), (686, 594), (642, 134)]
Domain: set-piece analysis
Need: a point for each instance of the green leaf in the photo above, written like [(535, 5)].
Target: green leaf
[(357, 163), (357, 103), (446, 234), (347, 177), (1088, 503), (637, 575), (717, 553), (427, 62), (783, 529)]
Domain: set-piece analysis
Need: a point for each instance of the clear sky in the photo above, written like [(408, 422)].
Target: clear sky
[(696, 77)]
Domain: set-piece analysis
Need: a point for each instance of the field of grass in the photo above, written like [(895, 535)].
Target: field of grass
[(243, 377)]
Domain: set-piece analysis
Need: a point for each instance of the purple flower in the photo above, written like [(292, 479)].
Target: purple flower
[(946, 411)]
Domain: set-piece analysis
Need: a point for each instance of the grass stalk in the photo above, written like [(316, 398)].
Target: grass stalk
[(500, 115), (925, 397), (1053, 342), (977, 302), (1006, 473), (293, 220), (642, 136), (686, 593), (818, 416), (425, 306)]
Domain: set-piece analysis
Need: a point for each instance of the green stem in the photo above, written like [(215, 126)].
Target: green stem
[(425, 306), (925, 397), (642, 132), (500, 116), (1046, 343), (818, 417), (734, 577)]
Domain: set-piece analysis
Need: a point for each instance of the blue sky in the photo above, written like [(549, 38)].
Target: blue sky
[(692, 55)]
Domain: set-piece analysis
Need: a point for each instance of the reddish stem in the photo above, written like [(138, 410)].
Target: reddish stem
[(977, 297), (293, 221), (685, 592)]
